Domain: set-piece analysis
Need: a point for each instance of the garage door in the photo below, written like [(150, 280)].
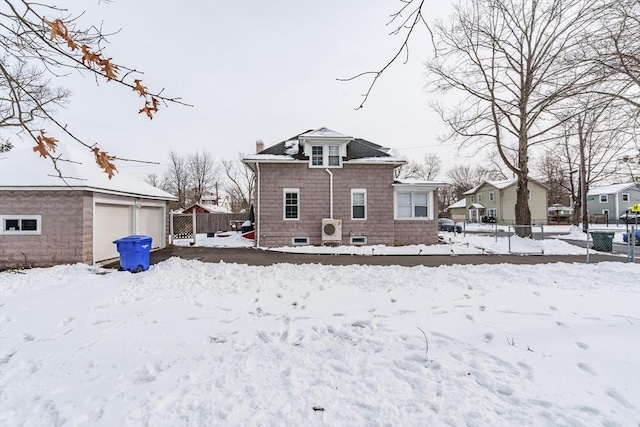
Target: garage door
[(151, 222), (110, 222)]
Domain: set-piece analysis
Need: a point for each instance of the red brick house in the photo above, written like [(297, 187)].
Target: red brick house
[(324, 187)]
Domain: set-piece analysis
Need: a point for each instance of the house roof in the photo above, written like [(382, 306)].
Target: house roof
[(462, 203), (476, 206), (357, 149), (21, 168), (498, 184), (209, 208), (610, 189)]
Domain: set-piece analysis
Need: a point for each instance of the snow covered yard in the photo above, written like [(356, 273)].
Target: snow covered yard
[(194, 344)]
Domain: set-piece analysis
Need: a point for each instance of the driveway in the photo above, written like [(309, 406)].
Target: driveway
[(252, 256)]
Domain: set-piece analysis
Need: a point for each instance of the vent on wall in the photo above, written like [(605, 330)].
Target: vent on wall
[(331, 230)]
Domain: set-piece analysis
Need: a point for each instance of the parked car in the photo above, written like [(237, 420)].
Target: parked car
[(630, 218), (626, 236), (446, 224)]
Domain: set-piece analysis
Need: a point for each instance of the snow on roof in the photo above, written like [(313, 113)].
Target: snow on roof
[(462, 203), (609, 189), (268, 157), (408, 181), (23, 168), (388, 159), (292, 147), (476, 206), (324, 133), (498, 184)]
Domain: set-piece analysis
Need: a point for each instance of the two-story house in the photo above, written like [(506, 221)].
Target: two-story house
[(325, 187), (495, 201), (613, 200)]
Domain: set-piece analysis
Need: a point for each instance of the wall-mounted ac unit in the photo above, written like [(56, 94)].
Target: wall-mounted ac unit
[(331, 230)]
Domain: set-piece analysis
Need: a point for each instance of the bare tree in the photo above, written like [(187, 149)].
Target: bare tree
[(507, 58), (203, 172), (155, 180), (432, 166), (551, 173), (40, 43), (176, 178), (463, 178), (240, 184)]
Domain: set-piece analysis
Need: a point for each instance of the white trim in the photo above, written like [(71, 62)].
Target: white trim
[(359, 191), (628, 198), (606, 196), (492, 196), (36, 232), (325, 156), (284, 203), (91, 189), (412, 191), (362, 240)]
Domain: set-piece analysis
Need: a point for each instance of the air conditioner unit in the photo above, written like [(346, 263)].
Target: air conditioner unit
[(331, 230)]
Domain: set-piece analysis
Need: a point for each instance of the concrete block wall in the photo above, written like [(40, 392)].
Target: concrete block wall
[(314, 189), (66, 228)]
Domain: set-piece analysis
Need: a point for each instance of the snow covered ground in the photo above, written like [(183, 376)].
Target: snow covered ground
[(480, 240), (193, 344)]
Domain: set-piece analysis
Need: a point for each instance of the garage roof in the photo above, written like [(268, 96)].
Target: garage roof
[(21, 168)]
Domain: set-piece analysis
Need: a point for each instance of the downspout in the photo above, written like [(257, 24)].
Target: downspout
[(330, 193), (258, 205)]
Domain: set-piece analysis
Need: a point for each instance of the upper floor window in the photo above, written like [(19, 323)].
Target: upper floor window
[(325, 155), (317, 155), (625, 197), (291, 203), (491, 196), (604, 198), (473, 198), (358, 204), (479, 197), (21, 224)]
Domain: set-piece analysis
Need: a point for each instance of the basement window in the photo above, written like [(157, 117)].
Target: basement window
[(358, 240), (300, 241), (21, 224)]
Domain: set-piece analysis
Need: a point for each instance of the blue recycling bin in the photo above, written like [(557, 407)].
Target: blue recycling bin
[(134, 252)]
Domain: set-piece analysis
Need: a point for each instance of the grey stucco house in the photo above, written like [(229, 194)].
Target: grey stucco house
[(325, 187), (46, 220), (613, 200)]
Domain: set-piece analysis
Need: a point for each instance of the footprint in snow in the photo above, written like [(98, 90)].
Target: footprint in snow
[(482, 307), (488, 337), (26, 337), (469, 317), (64, 322), (586, 368), (564, 325), (553, 308), (582, 345), (536, 293)]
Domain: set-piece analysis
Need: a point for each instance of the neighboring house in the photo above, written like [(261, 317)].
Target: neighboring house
[(560, 214), (458, 210), (495, 201), (46, 221), (324, 187), (612, 200)]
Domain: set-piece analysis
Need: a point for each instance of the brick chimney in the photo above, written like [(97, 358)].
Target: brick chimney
[(259, 146)]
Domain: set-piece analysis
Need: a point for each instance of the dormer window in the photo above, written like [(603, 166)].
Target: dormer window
[(325, 156)]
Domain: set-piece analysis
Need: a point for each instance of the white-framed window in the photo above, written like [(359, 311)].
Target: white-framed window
[(604, 198), (291, 203), (317, 155), (358, 240), (473, 198), (300, 241), (625, 197), (605, 212), (358, 203), (492, 213), (333, 155), (325, 156), (412, 204), (21, 224), (491, 196), (480, 198)]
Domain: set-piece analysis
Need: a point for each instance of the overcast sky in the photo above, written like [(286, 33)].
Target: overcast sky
[(255, 70)]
